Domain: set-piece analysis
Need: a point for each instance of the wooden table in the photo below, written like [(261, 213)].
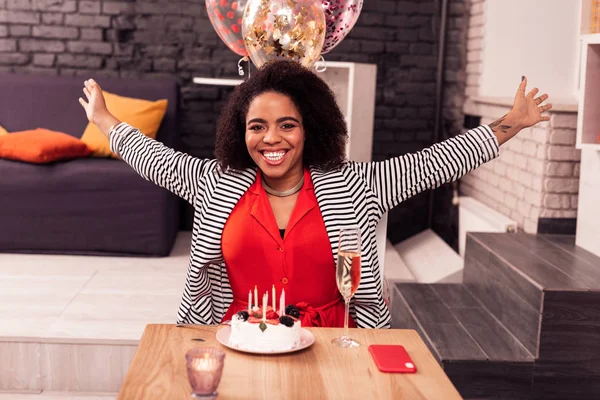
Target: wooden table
[(323, 371)]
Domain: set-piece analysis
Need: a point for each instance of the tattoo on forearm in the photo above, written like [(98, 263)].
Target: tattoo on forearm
[(497, 125)]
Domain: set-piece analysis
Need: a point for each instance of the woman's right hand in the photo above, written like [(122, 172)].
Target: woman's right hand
[(95, 107)]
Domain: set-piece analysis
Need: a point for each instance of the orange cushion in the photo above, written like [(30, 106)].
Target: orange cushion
[(41, 146), (145, 115), (3, 131)]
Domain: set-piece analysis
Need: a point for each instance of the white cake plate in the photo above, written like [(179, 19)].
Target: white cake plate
[(306, 340)]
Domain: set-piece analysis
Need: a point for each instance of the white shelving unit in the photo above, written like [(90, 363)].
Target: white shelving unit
[(588, 116), (588, 113), (354, 87), (588, 136)]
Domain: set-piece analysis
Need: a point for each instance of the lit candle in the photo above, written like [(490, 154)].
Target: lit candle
[(249, 301), (274, 300), (204, 363), (282, 303), (255, 296), (264, 306)]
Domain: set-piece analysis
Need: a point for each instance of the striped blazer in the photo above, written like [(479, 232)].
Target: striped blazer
[(356, 194)]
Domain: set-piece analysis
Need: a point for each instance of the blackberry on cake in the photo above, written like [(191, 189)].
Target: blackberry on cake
[(243, 315), (292, 311), (287, 321)]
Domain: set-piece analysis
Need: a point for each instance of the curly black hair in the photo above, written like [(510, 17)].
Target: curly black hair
[(324, 124)]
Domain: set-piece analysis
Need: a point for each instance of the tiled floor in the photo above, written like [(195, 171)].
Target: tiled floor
[(55, 296)]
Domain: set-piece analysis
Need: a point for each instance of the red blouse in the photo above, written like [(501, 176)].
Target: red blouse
[(301, 262)]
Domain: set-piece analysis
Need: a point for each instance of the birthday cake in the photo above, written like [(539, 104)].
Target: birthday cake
[(263, 329)]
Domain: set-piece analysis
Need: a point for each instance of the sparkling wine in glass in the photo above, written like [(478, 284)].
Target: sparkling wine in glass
[(348, 276)]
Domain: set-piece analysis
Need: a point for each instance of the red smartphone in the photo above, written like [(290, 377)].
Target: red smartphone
[(392, 358)]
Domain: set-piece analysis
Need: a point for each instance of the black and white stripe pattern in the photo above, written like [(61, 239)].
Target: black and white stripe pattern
[(357, 194)]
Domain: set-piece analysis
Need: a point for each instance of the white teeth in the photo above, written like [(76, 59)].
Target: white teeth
[(274, 155)]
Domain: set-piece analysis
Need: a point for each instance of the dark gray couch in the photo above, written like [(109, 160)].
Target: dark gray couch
[(83, 206)]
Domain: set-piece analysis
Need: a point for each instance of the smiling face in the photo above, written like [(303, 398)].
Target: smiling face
[(275, 137)]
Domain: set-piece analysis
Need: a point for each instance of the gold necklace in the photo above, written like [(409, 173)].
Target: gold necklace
[(284, 193)]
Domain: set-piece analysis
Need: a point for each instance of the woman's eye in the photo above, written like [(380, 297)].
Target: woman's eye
[(288, 126), (255, 127)]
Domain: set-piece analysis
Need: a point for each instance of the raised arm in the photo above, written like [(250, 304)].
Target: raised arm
[(400, 178), (175, 171)]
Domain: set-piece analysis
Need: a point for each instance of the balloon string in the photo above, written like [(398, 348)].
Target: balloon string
[(321, 65), (240, 68)]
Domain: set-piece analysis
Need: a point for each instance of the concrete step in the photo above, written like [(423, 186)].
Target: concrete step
[(430, 259), (396, 269)]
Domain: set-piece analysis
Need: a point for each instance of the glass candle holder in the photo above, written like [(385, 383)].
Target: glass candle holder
[(204, 368)]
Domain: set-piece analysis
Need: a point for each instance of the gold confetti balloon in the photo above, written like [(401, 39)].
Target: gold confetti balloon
[(284, 29)]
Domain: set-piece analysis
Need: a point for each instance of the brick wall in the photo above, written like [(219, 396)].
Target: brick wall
[(561, 170), (537, 173), (157, 38), (475, 34)]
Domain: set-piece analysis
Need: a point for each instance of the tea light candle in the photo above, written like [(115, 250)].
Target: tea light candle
[(206, 363)]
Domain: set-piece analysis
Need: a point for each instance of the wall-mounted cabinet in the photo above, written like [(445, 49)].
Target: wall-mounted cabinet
[(588, 117), (588, 129)]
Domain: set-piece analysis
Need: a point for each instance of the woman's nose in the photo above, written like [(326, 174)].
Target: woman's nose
[(272, 136)]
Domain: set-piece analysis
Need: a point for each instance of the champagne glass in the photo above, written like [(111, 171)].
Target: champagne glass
[(348, 276)]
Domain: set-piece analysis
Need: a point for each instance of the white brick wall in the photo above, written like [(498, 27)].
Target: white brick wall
[(474, 47), (537, 173), (533, 177)]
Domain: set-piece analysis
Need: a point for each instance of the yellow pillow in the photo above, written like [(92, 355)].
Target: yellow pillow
[(3, 131), (143, 114)]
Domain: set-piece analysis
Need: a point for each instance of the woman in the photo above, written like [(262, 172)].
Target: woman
[(270, 207)]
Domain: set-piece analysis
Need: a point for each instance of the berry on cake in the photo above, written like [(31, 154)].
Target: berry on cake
[(265, 328)]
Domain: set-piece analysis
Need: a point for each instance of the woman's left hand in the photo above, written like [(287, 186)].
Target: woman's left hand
[(526, 111)]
